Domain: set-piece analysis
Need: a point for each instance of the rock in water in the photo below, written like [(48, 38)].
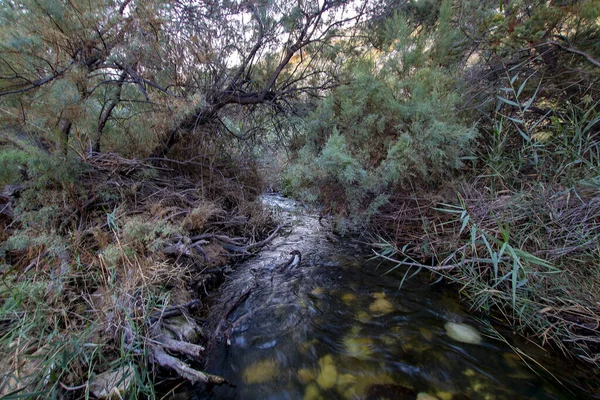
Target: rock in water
[(463, 333), (425, 396)]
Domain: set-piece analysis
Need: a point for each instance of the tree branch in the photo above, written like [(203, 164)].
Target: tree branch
[(573, 50)]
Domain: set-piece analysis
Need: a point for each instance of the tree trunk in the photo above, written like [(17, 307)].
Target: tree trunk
[(106, 113), (64, 127)]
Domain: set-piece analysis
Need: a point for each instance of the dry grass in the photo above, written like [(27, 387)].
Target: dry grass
[(85, 264)]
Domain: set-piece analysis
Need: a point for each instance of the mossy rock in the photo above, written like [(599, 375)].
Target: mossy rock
[(381, 306), (261, 372)]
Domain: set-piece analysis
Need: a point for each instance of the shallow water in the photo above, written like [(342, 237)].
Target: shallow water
[(336, 327)]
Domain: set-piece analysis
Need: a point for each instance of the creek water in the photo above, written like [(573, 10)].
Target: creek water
[(336, 326)]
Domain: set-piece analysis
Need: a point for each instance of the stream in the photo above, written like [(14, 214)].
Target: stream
[(336, 326)]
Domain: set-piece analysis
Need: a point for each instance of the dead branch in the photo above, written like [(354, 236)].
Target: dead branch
[(263, 243), (230, 310), (161, 342), (174, 311), (573, 50), (179, 346), (185, 371)]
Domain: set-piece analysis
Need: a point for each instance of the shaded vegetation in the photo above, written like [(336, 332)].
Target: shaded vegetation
[(136, 137), (467, 142)]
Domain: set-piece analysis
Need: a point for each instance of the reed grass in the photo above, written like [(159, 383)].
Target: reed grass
[(519, 234)]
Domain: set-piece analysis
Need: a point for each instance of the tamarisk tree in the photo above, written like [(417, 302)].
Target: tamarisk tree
[(173, 66)]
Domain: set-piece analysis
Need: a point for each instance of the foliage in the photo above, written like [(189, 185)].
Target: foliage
[(393, 126), (523, 240)]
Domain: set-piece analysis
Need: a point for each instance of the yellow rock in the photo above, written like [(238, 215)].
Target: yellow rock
[(327, 377), (348, 298), (317, 291), (345, 380), (444, 395), (426, 333), (360, 348), (469, 372), (306, 376), (363, 317), (312, 393), (381, 306), (326, 360), (426, 396), (261, 372), (379, 295)]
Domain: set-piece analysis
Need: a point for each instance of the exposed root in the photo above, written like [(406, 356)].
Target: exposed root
[(185, 371), (161, 343)]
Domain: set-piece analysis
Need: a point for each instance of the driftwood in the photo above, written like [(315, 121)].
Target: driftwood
[(185, 371), (161, 343), (234, 245), (240, 299)]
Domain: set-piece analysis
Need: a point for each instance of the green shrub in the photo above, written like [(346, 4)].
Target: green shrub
[(370, 138)]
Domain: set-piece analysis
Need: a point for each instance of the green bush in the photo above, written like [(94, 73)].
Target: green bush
[(374, 136)]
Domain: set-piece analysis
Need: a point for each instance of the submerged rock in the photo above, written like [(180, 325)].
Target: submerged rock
[(327, 372), (381, 306), (463, 333), (344, 381), (348, 298), (426, 396), (327, 377), (312, 393), (361, 348), (326, 360), (363, 317), (261, 371), (305, 376)]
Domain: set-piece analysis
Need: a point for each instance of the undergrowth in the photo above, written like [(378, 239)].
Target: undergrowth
[(91, 250), (518, 235)]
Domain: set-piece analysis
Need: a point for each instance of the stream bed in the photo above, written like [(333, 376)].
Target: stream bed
[(336, 326)]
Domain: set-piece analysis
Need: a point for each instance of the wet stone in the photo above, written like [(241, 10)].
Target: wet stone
[(305, 376), (381, 306), (261, 371), (463, 333)]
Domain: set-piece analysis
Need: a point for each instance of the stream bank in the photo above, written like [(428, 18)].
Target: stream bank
[(335, 325)]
